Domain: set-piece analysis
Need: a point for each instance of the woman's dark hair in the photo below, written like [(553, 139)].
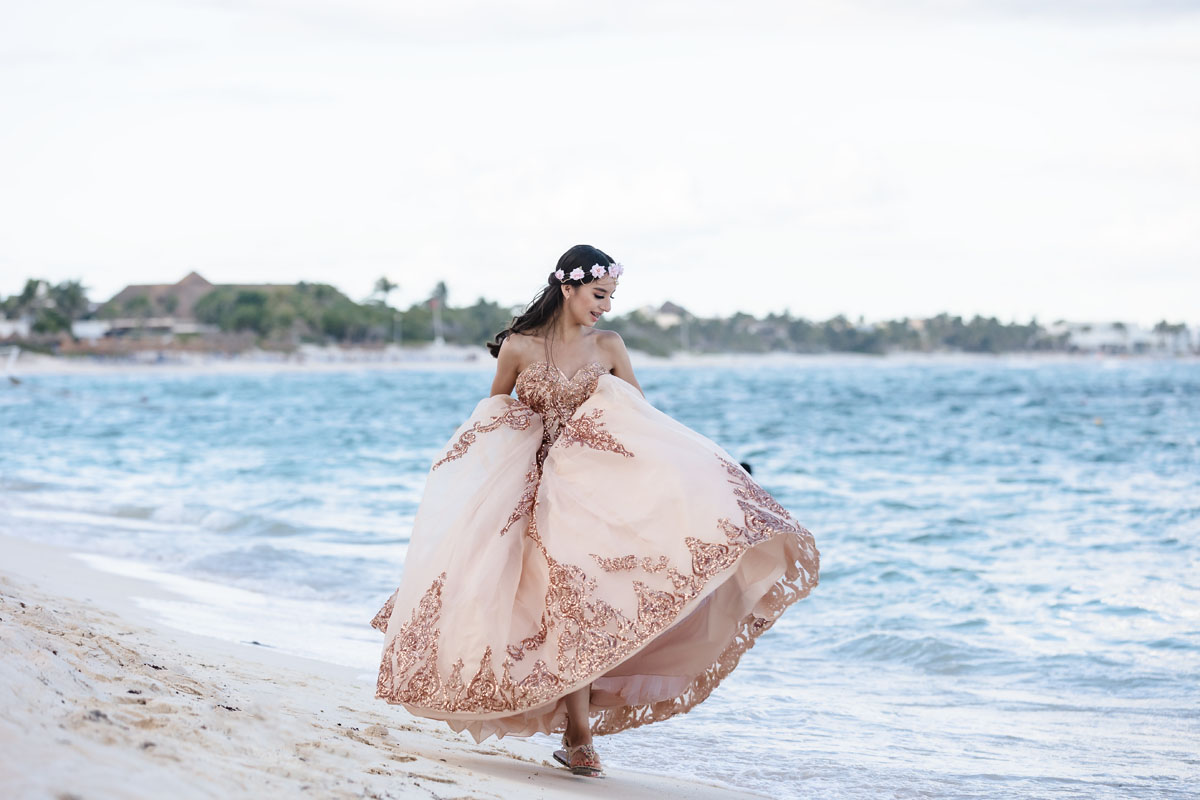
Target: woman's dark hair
[(544, 307)]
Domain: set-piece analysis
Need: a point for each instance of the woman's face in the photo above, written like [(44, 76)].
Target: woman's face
[(584, 304)]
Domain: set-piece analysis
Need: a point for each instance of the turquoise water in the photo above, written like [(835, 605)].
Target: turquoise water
[(1009, 602)]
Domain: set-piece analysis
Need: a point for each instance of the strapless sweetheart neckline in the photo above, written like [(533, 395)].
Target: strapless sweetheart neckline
[(570, 379), (524, 578)]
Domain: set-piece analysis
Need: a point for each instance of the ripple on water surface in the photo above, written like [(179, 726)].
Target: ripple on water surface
[(1009, 548)]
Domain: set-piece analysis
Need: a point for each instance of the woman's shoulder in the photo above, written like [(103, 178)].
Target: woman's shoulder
[(609, 341), (518, 351), (524, 339), (519, 343)]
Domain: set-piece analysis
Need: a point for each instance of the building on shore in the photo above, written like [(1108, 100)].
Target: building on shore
[(164, 310), (1120, 338), (15, 328), (668, 315)]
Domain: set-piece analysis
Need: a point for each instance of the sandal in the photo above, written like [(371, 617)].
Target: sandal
[(581, 759)]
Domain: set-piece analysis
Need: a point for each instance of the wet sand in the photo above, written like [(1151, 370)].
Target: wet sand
[(99, 699)]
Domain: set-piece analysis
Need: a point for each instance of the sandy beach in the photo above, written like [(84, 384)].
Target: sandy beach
[(102, 700)]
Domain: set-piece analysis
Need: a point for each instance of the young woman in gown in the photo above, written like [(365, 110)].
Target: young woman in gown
[(580, 561)]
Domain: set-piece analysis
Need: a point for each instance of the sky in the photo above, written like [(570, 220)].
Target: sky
[(1009, 158)]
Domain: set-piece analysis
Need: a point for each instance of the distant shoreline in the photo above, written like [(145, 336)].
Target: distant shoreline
[(463, 359)]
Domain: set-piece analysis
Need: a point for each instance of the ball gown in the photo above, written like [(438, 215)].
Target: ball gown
[(579, 535)]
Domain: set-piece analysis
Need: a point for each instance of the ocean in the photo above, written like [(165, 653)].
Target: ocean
[(1009, 599)]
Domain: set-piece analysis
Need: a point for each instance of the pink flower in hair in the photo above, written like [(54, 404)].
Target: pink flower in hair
[(558, 273), (597, 271), (577, 274), (615, 269)]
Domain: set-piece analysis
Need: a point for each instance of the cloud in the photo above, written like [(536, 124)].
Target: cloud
[(849, 158)]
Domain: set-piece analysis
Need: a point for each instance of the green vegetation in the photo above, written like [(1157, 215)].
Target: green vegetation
[(310, 312), (292, 314), (286, 316), (743, 333), (51, 307)]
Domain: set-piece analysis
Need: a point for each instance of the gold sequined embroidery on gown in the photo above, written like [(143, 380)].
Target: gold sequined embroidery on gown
[(579, 535)]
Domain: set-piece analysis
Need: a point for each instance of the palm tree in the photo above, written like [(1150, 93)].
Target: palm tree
[(1162, 329), (385, 287), (29, 294), (1165, 329), (436, 302), (70, 298), (1123, 329)]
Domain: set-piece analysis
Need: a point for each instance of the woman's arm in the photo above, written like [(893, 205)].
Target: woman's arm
[(614, 346), (507, 362)]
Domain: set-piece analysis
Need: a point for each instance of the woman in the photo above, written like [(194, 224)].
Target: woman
[(581, 562)]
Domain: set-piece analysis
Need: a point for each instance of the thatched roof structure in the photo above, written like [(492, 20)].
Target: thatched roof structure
[(166, 299), (173, 301)]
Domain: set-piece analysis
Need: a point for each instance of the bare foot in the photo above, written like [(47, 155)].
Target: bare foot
[(578, 731)]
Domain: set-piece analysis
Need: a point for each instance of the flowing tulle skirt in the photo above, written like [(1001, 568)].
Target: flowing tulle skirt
[(640, 558)]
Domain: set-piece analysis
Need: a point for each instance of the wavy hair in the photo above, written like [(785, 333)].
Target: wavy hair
[(545, 307)]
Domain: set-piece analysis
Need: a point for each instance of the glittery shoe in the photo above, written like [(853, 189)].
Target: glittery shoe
[(581, 759)]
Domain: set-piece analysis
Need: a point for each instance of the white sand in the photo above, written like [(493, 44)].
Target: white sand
[(466, 359), (449, 357), (100, 700)]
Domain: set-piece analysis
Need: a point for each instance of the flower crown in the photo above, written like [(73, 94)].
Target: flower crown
[(597, 271)]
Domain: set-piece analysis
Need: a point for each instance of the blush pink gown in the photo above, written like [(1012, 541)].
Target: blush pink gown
[(579, 535)]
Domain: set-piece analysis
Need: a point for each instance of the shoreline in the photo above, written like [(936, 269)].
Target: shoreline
[(461, 359), (106, 700)]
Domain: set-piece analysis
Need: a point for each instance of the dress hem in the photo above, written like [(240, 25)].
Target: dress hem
[(783, 592)]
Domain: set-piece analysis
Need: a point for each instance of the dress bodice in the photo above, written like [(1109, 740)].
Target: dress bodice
[(578, 536), (548, 391)]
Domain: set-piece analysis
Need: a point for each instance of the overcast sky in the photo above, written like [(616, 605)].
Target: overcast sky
[(1004, 158)]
